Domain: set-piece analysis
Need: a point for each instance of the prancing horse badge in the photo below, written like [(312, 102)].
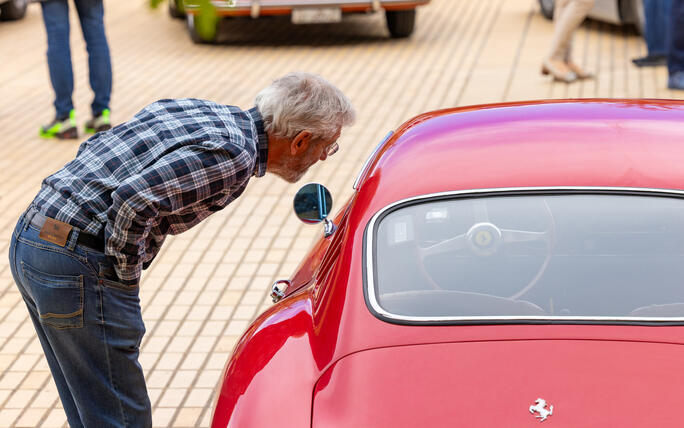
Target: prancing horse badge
[(540, 408)]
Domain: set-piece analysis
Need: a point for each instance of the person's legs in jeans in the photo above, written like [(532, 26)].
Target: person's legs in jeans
[(60, 381), (656, 26), (675, 56), (656, 13), (91, 16), (56, 19), (90, 330)]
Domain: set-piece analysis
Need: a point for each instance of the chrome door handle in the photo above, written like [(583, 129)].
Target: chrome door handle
[(278, 289)]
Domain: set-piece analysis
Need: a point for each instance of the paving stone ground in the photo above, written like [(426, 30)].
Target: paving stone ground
[(208, 283)]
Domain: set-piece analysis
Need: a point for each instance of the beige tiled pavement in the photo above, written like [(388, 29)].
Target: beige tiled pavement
[(208, 283)]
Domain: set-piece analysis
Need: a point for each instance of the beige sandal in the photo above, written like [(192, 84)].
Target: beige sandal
[(557, 72), (579, 72)]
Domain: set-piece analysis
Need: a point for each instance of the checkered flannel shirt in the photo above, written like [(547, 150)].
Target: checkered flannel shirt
[(175, 163)]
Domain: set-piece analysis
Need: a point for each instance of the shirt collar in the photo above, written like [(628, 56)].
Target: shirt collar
[(262, 144)]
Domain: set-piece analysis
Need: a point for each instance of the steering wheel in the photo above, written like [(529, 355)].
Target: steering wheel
[(485, 239)]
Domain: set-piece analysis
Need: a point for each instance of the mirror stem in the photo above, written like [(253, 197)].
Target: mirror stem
[(330, 228)]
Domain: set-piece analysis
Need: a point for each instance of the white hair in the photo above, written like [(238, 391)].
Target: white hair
[(304, 101)]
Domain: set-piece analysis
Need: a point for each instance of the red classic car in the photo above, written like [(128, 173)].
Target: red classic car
[(496, 266), (400, 14)]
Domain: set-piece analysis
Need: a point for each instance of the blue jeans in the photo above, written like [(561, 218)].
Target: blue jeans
[(91, 15), (90, 328), (675, 54), (657, 14)]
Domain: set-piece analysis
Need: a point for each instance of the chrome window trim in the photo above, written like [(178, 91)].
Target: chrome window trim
[(369, 274), (369, 158)]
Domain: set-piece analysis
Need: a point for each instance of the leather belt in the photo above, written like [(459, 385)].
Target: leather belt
[(91, 241)]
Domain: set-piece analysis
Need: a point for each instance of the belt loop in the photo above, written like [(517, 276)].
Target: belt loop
[(22, 216), (28, 216), (73, 239)]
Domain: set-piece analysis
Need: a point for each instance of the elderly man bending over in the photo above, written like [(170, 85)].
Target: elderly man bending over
[(78, 250)]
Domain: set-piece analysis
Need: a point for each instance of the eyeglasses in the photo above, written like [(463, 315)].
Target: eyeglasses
[(332, 149)]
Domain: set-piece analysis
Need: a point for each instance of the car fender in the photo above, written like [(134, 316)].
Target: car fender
[(269, 378)]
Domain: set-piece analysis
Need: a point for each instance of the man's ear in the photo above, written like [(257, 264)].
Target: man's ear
[(300, 143)]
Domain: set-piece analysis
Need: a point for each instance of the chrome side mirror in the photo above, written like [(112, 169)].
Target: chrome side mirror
[(312, 204)]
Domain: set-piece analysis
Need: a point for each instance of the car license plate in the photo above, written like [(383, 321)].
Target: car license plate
[(316, 15)]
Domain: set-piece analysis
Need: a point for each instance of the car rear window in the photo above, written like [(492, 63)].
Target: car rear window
[(529, 256)]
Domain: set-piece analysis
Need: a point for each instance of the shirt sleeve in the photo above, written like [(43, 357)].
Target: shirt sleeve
[(173, 183)]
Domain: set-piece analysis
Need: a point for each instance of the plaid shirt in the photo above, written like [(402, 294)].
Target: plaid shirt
[(162, 172)]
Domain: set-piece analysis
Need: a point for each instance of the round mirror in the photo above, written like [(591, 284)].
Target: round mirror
[(312, 203)]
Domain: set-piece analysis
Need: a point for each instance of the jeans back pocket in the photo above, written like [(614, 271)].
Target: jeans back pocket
[(58, 298)]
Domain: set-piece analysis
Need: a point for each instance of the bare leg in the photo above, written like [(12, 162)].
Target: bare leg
[(568, 15), (580, 9)]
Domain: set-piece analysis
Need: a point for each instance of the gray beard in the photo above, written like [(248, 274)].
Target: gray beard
[(291, 171)]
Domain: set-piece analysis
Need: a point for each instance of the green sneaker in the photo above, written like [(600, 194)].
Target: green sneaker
[(99, 123), (61, 128)]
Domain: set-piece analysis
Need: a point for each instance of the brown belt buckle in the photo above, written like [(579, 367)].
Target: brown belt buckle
[(55, 231)]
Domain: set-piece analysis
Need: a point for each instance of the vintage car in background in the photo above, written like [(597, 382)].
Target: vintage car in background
[(400, 14), (496, 266), (613, 11), (11, 10)]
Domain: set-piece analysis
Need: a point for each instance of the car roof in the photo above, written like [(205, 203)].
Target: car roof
[(566, 143), (584, 142)]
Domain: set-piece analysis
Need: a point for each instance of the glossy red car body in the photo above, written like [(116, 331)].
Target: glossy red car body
[(320, 358)]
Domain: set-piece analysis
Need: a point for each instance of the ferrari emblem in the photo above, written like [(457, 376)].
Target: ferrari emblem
[(483, 238), (540, 408)]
